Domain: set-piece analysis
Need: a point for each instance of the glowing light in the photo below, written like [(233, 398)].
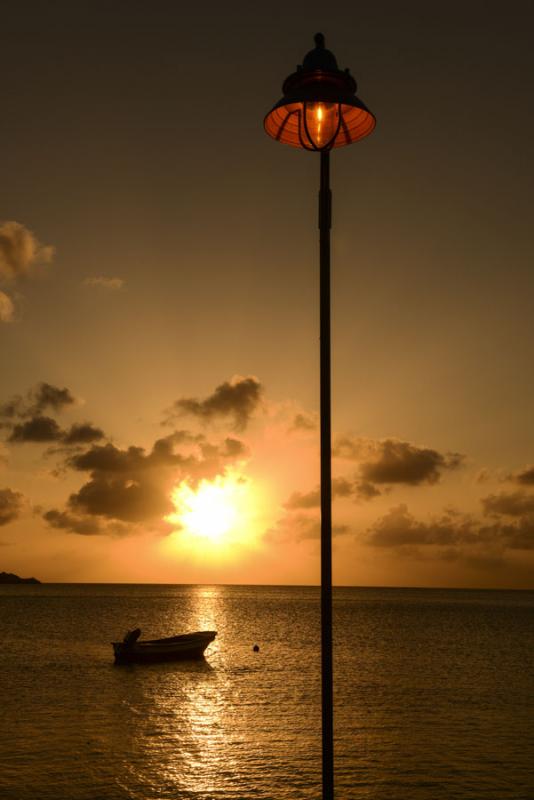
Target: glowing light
[(321, 123), (216, 510)]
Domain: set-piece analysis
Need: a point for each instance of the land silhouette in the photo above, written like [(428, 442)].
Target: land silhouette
[(10, 577)]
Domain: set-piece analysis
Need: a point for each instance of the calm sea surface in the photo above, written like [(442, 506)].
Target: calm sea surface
[(434, 694)]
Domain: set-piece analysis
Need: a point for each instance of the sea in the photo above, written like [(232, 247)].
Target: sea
[(434, 694)]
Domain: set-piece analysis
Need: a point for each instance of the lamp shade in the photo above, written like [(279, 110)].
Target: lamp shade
[(319, 109)]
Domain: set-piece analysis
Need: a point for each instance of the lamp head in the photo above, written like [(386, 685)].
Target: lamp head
[(319, 109)]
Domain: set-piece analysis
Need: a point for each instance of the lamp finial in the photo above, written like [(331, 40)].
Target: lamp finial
[(319, 40)]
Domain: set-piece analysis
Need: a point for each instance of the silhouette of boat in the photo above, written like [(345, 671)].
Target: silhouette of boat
[(173, 648)]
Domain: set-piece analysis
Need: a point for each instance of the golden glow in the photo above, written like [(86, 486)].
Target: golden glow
[(284, 123), (215, 511), (321, 122)]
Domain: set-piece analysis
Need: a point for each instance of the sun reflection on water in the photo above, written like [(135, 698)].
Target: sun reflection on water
[(182, 738)]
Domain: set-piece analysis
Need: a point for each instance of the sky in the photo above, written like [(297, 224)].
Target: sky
[(159, 362)]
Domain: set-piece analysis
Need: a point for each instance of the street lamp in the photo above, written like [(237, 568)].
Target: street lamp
[(320, 111)]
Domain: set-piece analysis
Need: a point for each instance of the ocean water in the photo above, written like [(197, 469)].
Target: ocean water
[(434, 694)]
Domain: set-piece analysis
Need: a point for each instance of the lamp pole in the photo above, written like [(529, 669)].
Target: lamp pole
[(327, 678), (319, 110)]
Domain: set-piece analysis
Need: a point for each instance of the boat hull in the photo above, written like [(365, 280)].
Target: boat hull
[(175, 648)]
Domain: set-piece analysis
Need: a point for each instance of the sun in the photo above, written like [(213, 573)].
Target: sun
[(214, 510)]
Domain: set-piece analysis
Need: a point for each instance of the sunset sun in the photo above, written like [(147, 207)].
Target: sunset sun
[(214, 510)]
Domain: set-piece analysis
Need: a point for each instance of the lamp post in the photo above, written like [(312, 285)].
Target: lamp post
[(320, 111)]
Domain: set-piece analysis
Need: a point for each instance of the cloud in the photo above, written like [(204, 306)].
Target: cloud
[(42, 397), (340, 488), (299, 527), (304, 500), (352, 448), (483, 475), (48, 396), (36, 429), (129, 485), (111, 284), (7, 309), (85, 526), (366, 491), (393, 461), (34, 426), (526, 477), (20, 251), (134, 486), (11, 505), (237, 398), (303, 422), (83, 433), (400, 529), (122, 498), (46, 429), (511, 504), (133, 460)]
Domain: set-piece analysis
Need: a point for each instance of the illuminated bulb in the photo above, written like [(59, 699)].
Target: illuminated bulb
[(321, 123)]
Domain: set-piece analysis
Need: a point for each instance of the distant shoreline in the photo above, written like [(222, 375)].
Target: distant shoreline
[(14, 579), (10, 577)]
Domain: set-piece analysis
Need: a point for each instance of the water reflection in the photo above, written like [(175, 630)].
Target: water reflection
[(432, 694), (178, 726), (206, 608)]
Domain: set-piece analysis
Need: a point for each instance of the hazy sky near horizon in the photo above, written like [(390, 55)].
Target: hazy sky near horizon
[(159, 296)]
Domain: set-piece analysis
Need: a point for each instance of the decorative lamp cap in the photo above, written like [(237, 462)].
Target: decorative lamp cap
[(319, 57)]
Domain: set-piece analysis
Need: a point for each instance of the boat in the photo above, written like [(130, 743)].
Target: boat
[(132, 649)]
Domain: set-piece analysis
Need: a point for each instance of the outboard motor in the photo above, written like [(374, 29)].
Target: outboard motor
[(131, 637)]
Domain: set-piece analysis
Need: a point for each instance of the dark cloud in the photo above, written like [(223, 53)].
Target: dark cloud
[(37, 400), (233, 448), (519, 536), (84, 526), (133, 485), (402, 462), (108, 458), (400, 529), (37, 429), (525, 477), (237, 398), (340, 488), (48, 396), (512, 504), (83, 433), (46, 429), (62, 520), (298, 527), (395, 461), (351, 448), (366, 491), (11, 505), (122, 498), (10, 408), (20, 251), (130, 485), (304, 500), (303, 422)]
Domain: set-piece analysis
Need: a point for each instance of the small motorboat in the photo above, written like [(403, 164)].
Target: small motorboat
[(174, 648)]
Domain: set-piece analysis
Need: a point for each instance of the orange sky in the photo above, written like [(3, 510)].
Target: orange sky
[(159, 298)]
